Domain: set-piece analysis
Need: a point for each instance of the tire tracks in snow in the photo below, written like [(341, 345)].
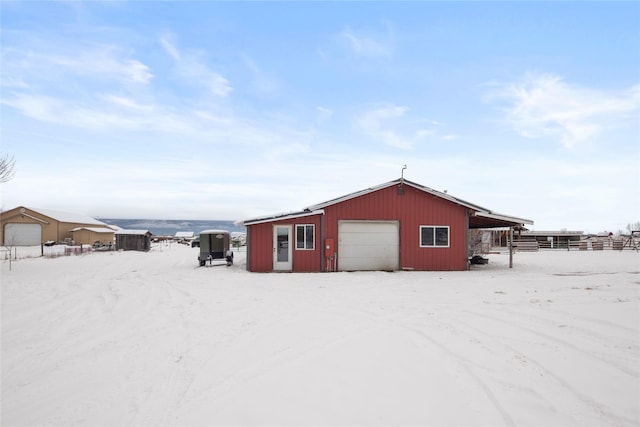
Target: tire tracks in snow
[(600, 410), (598, 322), (279, 359), (559, 341), (276, 359), (401, 321), (159, 399), (466, 364), (587, 401)]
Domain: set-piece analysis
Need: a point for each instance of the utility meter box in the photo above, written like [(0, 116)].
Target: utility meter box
[(329, 247)]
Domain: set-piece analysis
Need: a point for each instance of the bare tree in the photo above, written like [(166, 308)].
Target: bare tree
[(7, 168)]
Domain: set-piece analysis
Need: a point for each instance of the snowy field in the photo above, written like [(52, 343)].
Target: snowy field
[(128, 339)]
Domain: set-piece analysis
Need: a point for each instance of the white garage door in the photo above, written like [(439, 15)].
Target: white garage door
[(368, 245), (22, 234)]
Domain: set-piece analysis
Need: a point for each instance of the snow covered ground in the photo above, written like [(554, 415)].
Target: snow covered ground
[(128, 338)]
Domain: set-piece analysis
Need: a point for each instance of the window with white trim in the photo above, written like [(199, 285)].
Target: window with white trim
[(305, 237), (434, 236)]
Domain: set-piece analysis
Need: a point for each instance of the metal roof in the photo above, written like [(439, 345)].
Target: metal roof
[(67, 216), (553, 233), (96, 229), (215, 231), (184, 234), (392, 183), (281, 216), (122, 231), (479, 217)]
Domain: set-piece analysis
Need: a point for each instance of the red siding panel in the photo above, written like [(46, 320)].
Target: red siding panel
[(307, 260), (412, 208), (260, 246)]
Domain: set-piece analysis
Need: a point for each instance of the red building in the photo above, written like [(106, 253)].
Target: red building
[(393, 226)]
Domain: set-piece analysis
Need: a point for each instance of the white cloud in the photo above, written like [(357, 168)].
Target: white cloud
[(135, 71), (545, 105), (389, 124), (261, 81), (192, 67), (14, 82), (103, 61), (99, 62), (368, 43), (365, 46), (127, 103), (82, 115), (375, 124), (324, 114), (169, 47), (119, 114), (216, 83)]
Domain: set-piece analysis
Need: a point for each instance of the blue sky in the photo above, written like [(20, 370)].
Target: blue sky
[(231, 110)]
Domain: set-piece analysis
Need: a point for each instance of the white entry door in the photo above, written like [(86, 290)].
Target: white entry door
[(282, 248)]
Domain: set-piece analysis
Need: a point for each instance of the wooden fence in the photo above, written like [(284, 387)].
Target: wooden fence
[(616, 244), (605, 244)]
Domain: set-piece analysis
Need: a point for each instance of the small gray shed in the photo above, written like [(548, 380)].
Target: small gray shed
[(133, 240)]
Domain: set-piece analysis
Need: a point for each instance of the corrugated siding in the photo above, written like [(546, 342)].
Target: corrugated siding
[(413, 209), (260, 257), (308, 260), (133, 242)]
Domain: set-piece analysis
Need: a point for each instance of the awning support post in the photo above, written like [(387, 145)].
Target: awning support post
[(510, 247)]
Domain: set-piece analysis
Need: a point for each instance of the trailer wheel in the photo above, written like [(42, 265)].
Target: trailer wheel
[(202, 263)]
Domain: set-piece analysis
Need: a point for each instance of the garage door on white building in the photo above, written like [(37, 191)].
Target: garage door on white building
[(368, 245), (22, 234)]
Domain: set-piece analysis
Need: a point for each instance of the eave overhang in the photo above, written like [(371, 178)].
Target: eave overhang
[(283, 216), (479, 219), (95, 229)]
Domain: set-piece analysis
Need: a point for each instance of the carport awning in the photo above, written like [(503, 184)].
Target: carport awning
[(493, 220)]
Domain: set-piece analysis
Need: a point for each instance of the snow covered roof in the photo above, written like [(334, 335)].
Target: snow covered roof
[(552, 233), (393, 183), (214, 231), (68, 216), (95, 229), (479, 218), (184, 234), (133, 232), (285, 215)]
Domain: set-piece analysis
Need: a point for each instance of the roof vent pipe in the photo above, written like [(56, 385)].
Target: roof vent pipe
[(400, 187)]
